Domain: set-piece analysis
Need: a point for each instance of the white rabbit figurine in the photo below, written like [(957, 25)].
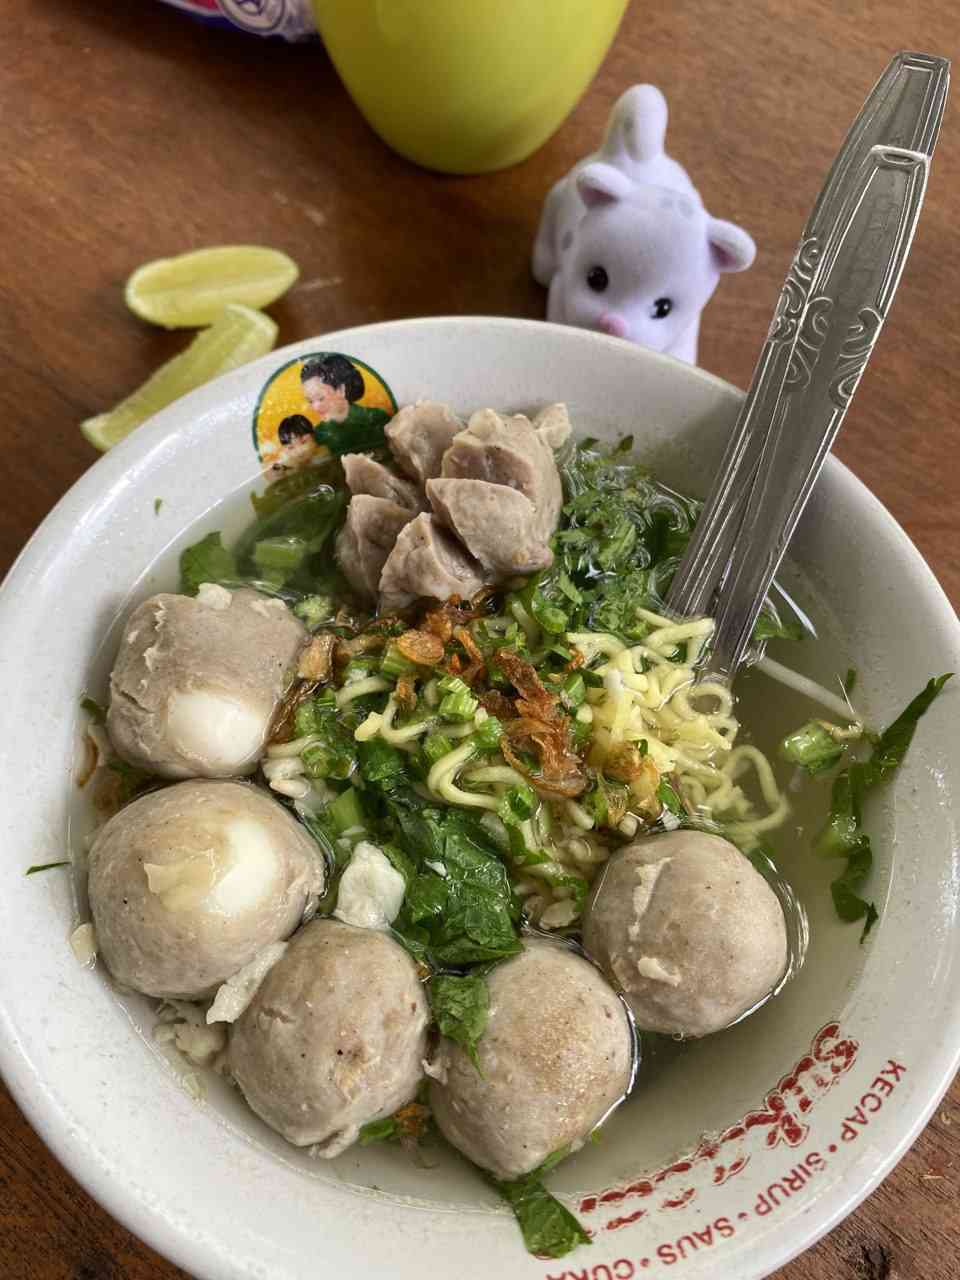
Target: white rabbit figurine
[(625, 244)]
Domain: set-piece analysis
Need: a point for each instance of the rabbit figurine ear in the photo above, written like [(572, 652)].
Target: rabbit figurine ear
[(731, 248), (602, 184)]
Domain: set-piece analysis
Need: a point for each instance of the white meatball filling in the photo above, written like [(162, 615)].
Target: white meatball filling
[(235, 875), (214, 727), (371, 889), (237, 992)]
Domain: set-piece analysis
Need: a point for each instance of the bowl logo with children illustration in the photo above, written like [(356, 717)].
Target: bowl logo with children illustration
[(318, 402)]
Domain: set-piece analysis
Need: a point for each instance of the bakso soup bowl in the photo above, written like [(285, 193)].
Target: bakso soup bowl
[(737, 1151)]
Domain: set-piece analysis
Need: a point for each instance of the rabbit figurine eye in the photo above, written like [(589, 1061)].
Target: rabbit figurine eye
[(661, 309), (597, 279)]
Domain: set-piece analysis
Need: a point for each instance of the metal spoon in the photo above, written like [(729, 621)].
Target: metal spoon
[(834, 300)]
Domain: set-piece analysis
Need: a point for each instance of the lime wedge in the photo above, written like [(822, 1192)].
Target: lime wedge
[(190, 290), (239, 334)]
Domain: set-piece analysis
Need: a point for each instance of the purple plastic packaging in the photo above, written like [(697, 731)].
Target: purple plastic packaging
[(288, 19)]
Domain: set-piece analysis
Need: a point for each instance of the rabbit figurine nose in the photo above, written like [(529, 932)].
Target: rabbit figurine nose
[(613, 324)]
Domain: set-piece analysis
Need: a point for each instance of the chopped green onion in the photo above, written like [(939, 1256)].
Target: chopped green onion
[(314, 611), (573, 690), (812, 747), (393, 664), (452, 684), (436, 747), (669, 798), (360, 669), (517, 804), (284, 554), (318, 760), (305, 720), (345, 812), (459, 707), (488, 734), (521, 854), (45, 866)]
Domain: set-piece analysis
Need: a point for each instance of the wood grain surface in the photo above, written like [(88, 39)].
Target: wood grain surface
[(128, 132)]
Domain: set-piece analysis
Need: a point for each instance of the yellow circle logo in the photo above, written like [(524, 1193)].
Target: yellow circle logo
[(324, 400)]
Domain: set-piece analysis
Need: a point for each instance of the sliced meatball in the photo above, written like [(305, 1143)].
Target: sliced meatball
[(508, 451), (427, 561), (496, 524), (367, 539), (556, 1056), (188, 884), (334, 1038), (367, 476), (688, 930), (197, 680), (552, 424), (419, 436)]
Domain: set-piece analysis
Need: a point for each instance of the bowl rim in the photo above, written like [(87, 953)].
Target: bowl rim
[(53, 1123)]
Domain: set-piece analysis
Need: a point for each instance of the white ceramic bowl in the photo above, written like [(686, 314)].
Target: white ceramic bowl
[(807, 1105)]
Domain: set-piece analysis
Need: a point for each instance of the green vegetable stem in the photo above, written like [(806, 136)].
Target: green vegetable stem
[(844, 836)]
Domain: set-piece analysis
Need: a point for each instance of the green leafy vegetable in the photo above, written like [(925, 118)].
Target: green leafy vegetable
[(344, 813), (464, 913), (460, 1006), (94, 710), (282, 553), (894, 741), (206, 561), (850, 682), (410, 1124), (812, 747), (382, 764), (843, 835), (45, 866), (385, 1130), (549, 1229), (668, 797), (621, 538), (296, 484), (360, 436), (769, 626)]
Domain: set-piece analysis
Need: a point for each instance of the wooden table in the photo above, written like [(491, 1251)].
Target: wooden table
[(129, 132)]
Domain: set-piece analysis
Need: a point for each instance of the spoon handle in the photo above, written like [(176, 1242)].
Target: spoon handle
[(818, 347), (903, 113)]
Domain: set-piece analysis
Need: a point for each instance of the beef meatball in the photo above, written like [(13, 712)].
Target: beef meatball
[(334, 1038), (187, 885), (197, 680), (688, 930), (556, 1056)]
